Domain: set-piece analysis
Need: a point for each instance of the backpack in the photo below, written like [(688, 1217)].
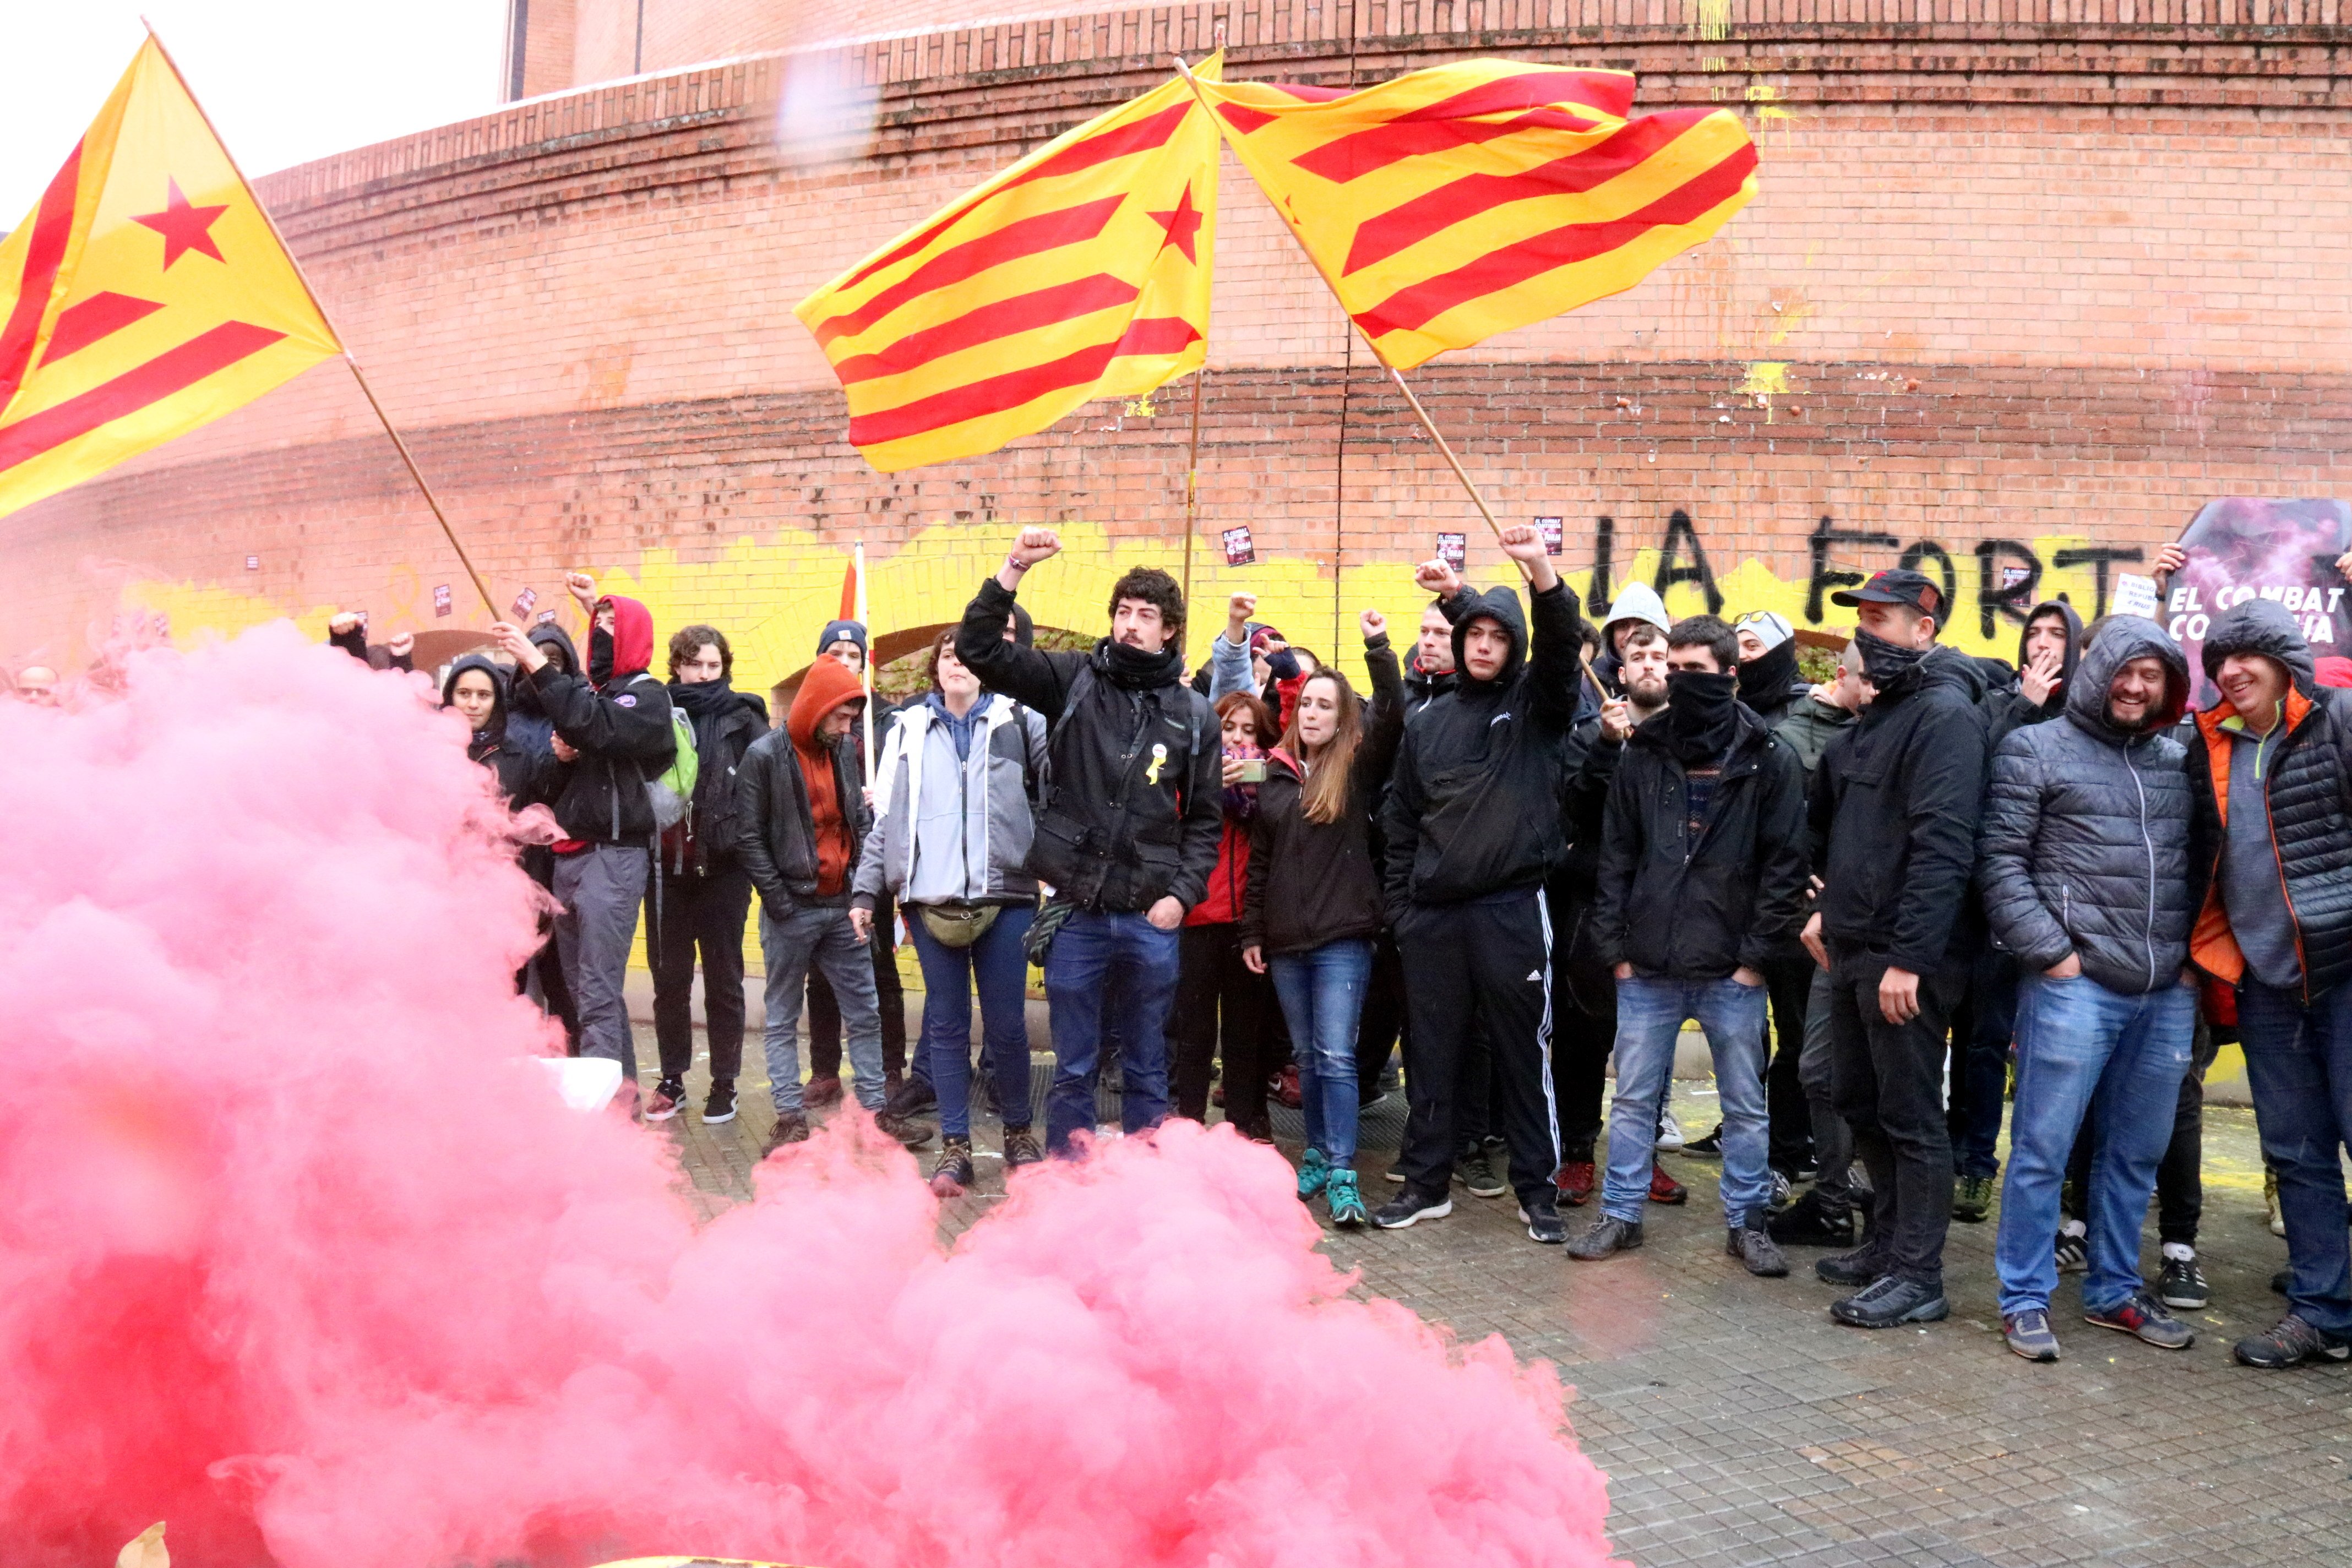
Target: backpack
[(1083, 684), (671, 793)]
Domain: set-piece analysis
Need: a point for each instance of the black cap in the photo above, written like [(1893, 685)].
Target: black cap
[(1898, 586)]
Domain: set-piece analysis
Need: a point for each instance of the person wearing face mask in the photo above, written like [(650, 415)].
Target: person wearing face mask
[(612, 734), (701, 894), (2086, 877), (1313, 905), (1770, 683), (1702, 869), (1894, 819), (1472, 826)]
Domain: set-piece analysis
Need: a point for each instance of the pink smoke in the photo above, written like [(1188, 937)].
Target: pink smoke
[(303, 1257)]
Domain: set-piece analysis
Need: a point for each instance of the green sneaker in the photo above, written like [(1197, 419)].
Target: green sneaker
[(1314, 1171), (1347, 1202), (1972, 1200)]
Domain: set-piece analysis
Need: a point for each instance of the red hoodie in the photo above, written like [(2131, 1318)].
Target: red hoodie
[(633, 639), (828, 685)]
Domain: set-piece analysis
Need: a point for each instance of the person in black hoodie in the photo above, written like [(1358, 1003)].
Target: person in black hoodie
[(1894, 818), (613, 736), (1127, 834), (527, 721), (1702, 866), (477, 688), (1313, 905), (1473, 828), (702, 895), (1769, 682), (529, 733)]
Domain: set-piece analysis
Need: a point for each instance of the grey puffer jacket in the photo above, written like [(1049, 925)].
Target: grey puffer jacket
[(2085, 847), (951, 831)]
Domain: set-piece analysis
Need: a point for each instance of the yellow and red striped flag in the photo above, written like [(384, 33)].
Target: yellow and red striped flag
[(1082, 271), (145, 295), (1454, 202)]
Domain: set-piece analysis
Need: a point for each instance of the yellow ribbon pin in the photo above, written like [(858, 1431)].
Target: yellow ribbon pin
[(1159, 756)]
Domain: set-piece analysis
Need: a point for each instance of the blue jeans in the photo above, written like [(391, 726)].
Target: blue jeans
[(2299, 1066), (2080, 1044), (1322, 993), (1650, 1015), (999, 964), (820, 938), (1114, 969)]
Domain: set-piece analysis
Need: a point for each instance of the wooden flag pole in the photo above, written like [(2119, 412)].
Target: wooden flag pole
[(1192, 476), (316, 304), (865, 665), (1394, 375)]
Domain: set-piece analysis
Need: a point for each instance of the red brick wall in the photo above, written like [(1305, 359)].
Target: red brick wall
[(2045, 281)]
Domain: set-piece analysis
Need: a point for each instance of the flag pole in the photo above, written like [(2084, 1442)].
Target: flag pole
[(1192, 476), (304, 278), (1395, 376), (865, 665)]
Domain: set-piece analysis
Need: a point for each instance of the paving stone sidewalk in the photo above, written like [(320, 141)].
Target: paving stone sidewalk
[(1740, 1426)]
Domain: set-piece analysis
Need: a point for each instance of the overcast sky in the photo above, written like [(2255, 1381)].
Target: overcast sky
[(285, 81)]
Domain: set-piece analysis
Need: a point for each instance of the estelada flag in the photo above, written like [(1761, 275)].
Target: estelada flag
[(1080, 272), (1454, 202), (145, 295)]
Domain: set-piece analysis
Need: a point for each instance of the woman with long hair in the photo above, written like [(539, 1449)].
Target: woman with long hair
[(1313, 908)]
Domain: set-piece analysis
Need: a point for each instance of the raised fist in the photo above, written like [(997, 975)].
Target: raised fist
[(1037, 544), (344, 623), (1524, 542), (1375, 624), (582, 588), (1437, 577), (1240, 608)]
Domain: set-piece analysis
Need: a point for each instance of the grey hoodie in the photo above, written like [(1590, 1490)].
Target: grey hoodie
[(951, 831)]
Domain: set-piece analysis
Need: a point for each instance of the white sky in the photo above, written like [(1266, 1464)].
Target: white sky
[(285, 81)]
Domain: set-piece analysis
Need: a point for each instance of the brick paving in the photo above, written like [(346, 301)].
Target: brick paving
[(1740, 1426)]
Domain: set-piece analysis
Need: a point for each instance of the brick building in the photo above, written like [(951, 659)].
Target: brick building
[(2028, 282)]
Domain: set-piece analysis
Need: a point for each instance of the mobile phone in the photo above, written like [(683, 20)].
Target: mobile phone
[(1253, 771)]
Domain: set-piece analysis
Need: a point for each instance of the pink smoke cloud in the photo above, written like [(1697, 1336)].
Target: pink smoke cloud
[(304, 1257)]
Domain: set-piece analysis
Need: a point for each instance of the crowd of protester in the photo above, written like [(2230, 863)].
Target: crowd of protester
[(1541, 839)]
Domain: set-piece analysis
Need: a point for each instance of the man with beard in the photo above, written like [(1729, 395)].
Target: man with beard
[(2087, 880), (1702, 872), (1894, 819)]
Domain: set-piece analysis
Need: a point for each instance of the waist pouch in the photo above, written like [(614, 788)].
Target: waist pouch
[(957, 925)]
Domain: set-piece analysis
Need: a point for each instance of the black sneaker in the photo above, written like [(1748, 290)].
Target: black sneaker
[(718, 1105), (1607, 1236), (1542, 1221), (2144, 1317), (1753, 1246), (1410, 1208), (1972, 1199), (2291, 1342), (1808, 1222), (2074, 1253), (1707, 1147), (1021, 1148), (2182, 1285), (1476, 1172), (1859, 1267), (1890, 1302), (670, 1099), (905, 1129), (913, 1096)]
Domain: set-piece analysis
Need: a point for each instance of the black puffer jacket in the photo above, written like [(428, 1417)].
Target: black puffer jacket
[(2084, 846), (2311, 828), (1698, 911), (1893, 811), (1474, 807)]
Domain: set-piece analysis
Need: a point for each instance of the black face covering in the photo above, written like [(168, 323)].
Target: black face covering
[(599, 657), (1135, 670), (1702, 715), (1885, 662), (1765, 680)]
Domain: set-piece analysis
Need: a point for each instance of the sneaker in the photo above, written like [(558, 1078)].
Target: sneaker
[(905, 1129), (893, 1080), (1022, 1148), (1753, 1246), (1859, 1267), (670, 1099), (1542, 1221), (1345, 1203), (792, 1127), (1892, 1302), (1607, 1236), (1670, 1131), (2270, 1208), (1574, 1182), (2028, 1334), (1972, 1199), (718, 1105), (1476, 1172), (1665, 1189), (912, 1098), (2291, 1342), (2182, 1285), (1285, 1088), (822, 1092), (1314, 1171), (1783, 1193), (1858, 1181), (2074, 1253), (2144, 1317), (1410, 1208), (1707, 1147), (1808, 1222), (952, 1171)]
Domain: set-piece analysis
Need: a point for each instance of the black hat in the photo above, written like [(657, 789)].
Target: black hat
[(1898, 586)]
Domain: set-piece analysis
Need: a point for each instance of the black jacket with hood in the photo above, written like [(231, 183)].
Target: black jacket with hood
[(1474, 809), (1697, 911), (2006, 708), (620, 726), (527, 721), (1894, 813), (1135, 803), (523, 776), (2085, 843), (2306, 787), (725, 722), (1317, 882)]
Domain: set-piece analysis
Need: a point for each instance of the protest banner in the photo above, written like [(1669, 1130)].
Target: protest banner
[(2242, 548)]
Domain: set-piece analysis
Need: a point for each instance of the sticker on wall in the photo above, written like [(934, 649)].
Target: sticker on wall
[(545, 616), (1549, 528), (1454, 549), (441, 605), (253, 563), (522, 606), (1239, 551), (2013, 576)]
